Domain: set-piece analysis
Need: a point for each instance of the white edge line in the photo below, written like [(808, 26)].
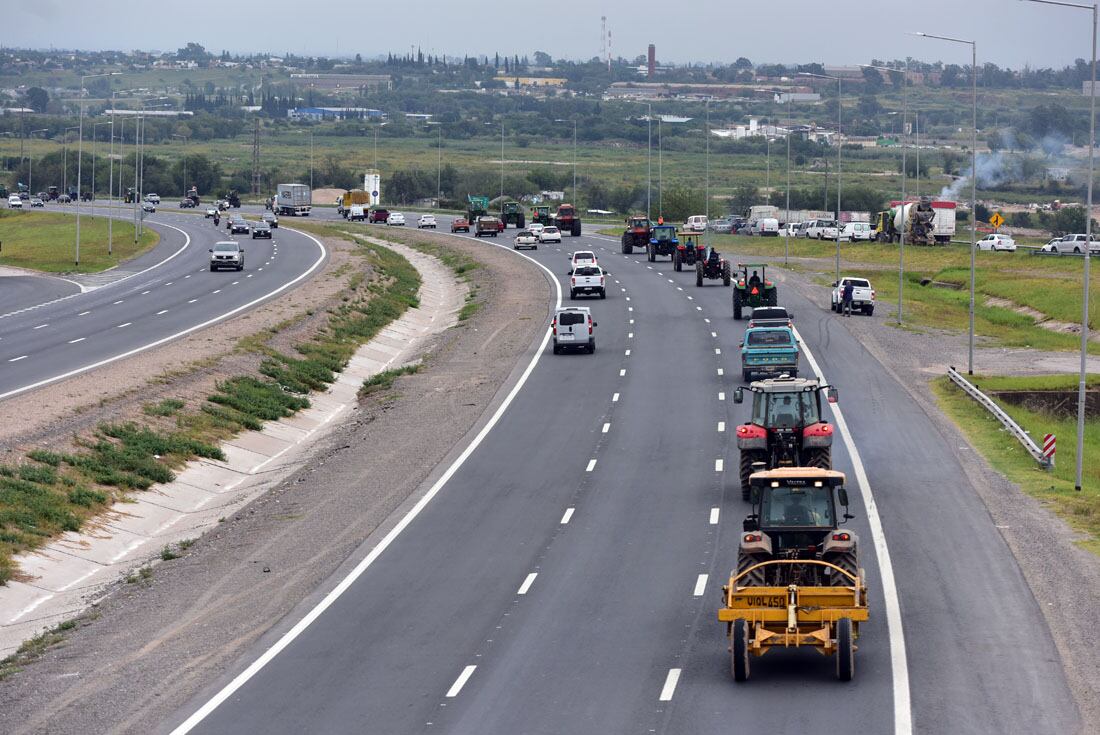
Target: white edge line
[(287, 638), (899, 665), (669, 688), (177, 335), (461, 681), (85, 289)]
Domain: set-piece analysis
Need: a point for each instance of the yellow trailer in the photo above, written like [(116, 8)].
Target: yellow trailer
[(826, 618)]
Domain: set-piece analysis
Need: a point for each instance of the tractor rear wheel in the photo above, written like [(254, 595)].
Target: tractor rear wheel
[(773, 297), (739, 650), (821, 457), (698, 273), (725, 274), (576, 231), (522, 221), (845, 650), (748, 458), (736, 304), (745, 561), (628, 244), (677, 261)]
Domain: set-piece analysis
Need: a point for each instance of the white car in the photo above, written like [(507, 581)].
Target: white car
[(210, 213), (426, 220), (854, 231), (536, 228), (152, 198), (791, 230), (550, 234), (582, 257), (149, 207), (525, 239), (765, 227), (995, 242), (821, 229), (1072, 244), (863, 296), (696, 223), (396, 218), (14, 202)]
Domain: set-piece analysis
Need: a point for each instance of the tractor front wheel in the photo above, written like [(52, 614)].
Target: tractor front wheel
[(576, 230), (726, 274), (845, 650), (821, 458), (773, 297), (739, 650), (748, 458), (651, 254), (628, 244), (522, 222), (677, 261), (736, 304)]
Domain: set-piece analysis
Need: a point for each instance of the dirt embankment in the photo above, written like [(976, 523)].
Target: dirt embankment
[(151, 645)]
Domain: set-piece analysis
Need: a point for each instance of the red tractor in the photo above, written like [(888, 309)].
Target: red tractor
[(567, 220), (712, 266), (689, 251), (787, 429), (636, 234)]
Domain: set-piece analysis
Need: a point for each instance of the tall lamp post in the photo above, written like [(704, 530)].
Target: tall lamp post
[(80, 153), (649, 163), (574, 156), (904, 174), (1088, 241), (94, 140), (65, 159), (973, 178), (839, 147), (184, 138), (30, 162)]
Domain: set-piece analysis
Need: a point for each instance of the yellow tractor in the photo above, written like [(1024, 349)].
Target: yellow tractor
[(798, 581)]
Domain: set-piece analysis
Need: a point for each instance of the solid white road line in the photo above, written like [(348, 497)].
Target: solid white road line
[(721, 426), (461, 681), (700, 585), (899, 666), (567, 515), (718, 465), (606, 428), (591, 465), (669, 688), (527, 583), (287, 638), (714, 513)]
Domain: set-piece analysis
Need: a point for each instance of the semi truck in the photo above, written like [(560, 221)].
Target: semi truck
[(293, 200)]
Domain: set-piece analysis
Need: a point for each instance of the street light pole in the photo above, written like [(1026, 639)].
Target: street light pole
[(839, 148), (649, 163), (94, 141), (575, 163), (80, 154), (660, 172), (973, 178), (706, 205), (439, 167), (1088, 247), (30, 162)]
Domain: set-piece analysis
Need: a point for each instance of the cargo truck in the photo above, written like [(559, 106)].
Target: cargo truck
[(293, 200), (929, 222), (353, 198)]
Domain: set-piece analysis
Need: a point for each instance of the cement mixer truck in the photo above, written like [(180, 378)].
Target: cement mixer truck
[(927, 222)]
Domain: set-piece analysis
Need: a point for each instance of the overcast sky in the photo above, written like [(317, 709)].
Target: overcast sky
[(1008, 32)]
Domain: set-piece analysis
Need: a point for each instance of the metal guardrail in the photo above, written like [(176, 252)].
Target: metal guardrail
[(971, 390)]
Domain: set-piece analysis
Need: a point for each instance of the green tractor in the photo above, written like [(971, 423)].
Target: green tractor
[(476, 207), (540, 215), (752, 288), (511, 213)]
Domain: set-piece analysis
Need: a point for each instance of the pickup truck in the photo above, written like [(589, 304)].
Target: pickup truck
[(589, 280), (863, 296), (821, 229), (489, 226), (769, 351)]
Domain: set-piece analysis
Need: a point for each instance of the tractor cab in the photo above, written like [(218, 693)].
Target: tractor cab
[(691, 241), (540, 214), (638, 223), (662, 234), (797, 514)]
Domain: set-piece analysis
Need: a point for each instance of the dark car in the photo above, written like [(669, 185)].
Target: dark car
[(770, 316), (271, 220), (378, 216), (261, 229), (238, 226), (187, 204)]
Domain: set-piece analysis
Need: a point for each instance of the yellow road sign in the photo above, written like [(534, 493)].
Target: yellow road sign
[(996, 220)]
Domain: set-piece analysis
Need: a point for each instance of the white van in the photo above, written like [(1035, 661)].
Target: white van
[(696, 223), (854, 231), (573, 328), (766, 227), (357, 213)]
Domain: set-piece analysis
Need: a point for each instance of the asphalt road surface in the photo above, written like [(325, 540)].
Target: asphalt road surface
[(566, 577), (162, 295)]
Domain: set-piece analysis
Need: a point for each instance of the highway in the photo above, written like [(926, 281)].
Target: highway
[(53, 332), (563, 575)]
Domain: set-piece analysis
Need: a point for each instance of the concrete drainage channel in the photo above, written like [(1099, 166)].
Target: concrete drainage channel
[(67, 576)]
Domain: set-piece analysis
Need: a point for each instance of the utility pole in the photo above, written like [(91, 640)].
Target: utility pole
[(256, 158)]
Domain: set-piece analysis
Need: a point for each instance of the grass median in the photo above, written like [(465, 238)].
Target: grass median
[(51, 492), (46, 241), (1055, 488)]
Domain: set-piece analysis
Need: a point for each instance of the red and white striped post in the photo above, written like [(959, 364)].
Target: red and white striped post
[(1049, 449)]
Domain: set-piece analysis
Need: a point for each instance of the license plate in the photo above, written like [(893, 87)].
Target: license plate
[(566, 337), (764, 600)]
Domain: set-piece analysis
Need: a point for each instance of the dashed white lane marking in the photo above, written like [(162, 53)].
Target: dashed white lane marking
[(700, 585), (622, 373), (714, 334), (671, 281), (169, 283), (606, 428), (630, 335), (698, 308), (461, 681), (721, 426), (630, 308), (249, 275), (120, 326), (718, 350), (679, 288), (192, 301), (162, 311), (669, 688), (527, 583), (218, 291), (591, 465), (118, 302), (718, 465), (628, 353), (234, 283), (145, 292), (616, 282), (721, 371), (78, 339), (17, 359), (187, 276), (567, 515), (650, 267), (41, 326), (84, 313), (631, 321), (714, 513), (706, 320), (260, 269), (628, 298), (721, 396), (615, 398)]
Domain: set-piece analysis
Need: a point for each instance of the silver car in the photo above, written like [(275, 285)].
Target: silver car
[(226, 254)]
